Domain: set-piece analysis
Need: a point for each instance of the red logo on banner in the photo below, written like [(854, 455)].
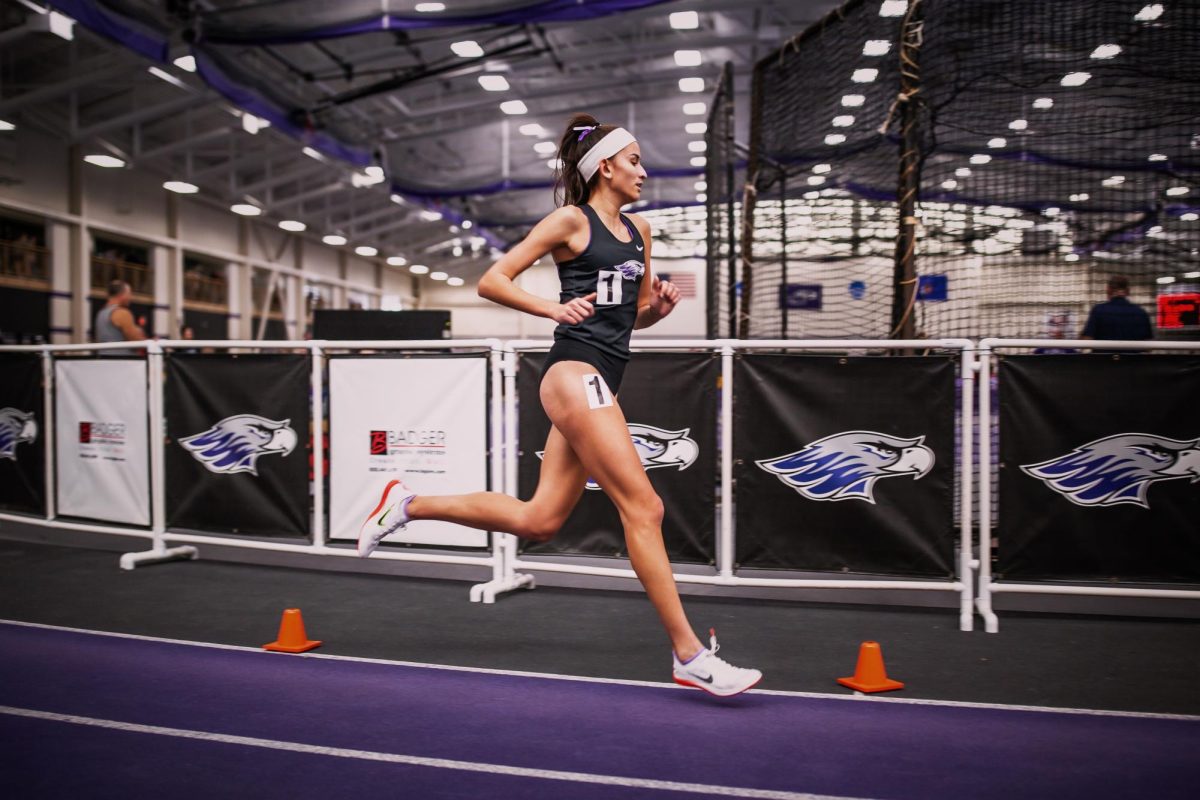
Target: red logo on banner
[(379, 444), (85, 433)]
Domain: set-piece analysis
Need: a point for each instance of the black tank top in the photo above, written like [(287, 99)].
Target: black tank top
[(613, 270)]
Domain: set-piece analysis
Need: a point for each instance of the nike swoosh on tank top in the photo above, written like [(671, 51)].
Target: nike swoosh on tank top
[(613, 270)]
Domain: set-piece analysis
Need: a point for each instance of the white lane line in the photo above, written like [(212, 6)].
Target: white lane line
[(420, 761), (856, 697)]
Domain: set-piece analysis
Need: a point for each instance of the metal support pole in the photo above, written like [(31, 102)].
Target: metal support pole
[(318, 439), (904, 279)]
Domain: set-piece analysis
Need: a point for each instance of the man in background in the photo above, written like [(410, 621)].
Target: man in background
[(115, 323), (1118, 319)]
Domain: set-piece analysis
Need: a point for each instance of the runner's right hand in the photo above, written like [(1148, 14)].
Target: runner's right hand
[(574, 311)]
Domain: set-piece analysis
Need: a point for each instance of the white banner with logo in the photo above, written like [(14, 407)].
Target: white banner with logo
[(102, 440), (422, 421)]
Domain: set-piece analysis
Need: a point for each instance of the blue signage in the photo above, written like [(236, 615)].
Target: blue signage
[(858, 289), (804, 296), (932, 288)]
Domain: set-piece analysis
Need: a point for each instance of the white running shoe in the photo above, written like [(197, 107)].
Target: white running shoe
[(388, 517), (714, 675)]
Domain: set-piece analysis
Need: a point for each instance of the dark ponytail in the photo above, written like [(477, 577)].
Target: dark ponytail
[(569, 186)]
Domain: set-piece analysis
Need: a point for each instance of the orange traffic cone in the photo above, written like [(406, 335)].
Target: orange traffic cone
[(292, 638), (869, 674)]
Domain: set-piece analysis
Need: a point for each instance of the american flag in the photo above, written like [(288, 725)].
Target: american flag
[(685, 282)]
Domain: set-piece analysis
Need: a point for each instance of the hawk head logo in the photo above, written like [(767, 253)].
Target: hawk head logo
[(16, 427), (235, 443), (845, 466), (658, 448), (631, 269), (1118, 469)]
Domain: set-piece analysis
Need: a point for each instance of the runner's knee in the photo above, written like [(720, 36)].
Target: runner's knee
[(539, 525)]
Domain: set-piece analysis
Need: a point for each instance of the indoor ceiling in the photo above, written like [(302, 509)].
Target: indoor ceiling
[(360, 98)]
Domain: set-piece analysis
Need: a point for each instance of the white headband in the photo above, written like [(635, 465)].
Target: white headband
[(613, 142)]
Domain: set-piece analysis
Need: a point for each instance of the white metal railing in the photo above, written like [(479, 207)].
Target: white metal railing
[(987, 585), (724, 575)]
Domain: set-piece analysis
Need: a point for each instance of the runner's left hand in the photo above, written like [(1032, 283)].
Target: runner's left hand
[(664, 296)]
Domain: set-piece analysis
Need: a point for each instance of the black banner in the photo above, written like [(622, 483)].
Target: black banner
[(669, 400), (238, 443), (1099, 459), (845, 464), (22, 434)]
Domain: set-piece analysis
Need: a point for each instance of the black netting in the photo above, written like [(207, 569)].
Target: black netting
[(722, 193), (1053, 145)]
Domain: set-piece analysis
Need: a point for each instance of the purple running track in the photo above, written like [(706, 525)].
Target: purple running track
[(824, 746)]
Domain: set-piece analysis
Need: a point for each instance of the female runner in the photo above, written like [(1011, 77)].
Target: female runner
[(603, 260)]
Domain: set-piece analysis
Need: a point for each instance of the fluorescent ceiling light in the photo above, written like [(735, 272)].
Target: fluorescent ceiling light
[(684, 20), (864, 75), (494, 83), (429, 215), (1076, 78), (418, 269), (454, 281), (1079, 198), (466, 224), (835, 138), (545, 148), (1019, 124), (513, 107), (699, 161), (853, 100), (1178, 191), (293, 225), (366, 250), (186, 63), (876, 47), (811, 195), (1044, 103), (181, 187), (980, 158), (843, 121), (691, 84), (821, 169), (1158, 157), (700, 186), (554, 163), (1071, 257), (106, 161), (308, 151), (963, 172), (398, 199), (252, 124), (1190, 216), (62, 26), (430, 8), (438, 275), (694, 109), (701, 197), (1107, 51), (374, 172), (166, 76), (467, 49), (816, 180), (457, 251), (1115, 180), (893, 8), (245, 209), (361, 180), (334, 239), (397, 261), (1165, 279), (533, 129), (997, 142), (1053, 211), (1149, 13), (688, 58), (7, 126), (697, 146), (696, 128), (950, 184)]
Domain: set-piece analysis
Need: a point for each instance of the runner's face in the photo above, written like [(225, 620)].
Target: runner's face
[(627, 172)]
